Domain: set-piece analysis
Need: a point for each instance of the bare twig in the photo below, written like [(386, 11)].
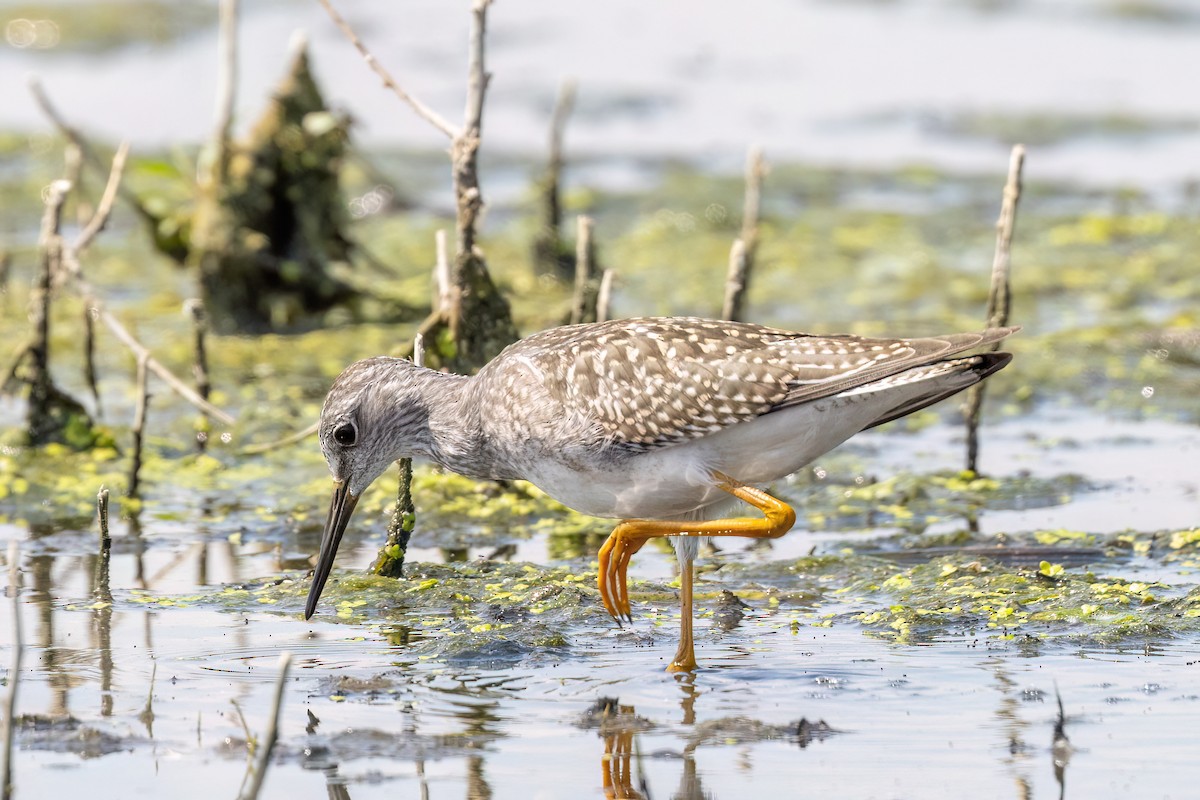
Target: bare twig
[(998, 294), (741, 255), (583, 304), (227, 60), (390, 560), (547, 246), (477, 76), (604, 296), (73, 174), (423, 111), (41, 388), (104, 210), (465, 149), (563, 106), (441, 274), (14, 675), (287, 441), (263, 759), (195, 309), (89, 357), (74, 270), (91, 230), (735, 281), (94, 161), (165, 375), (478, 317), (756, 170), (418, 355), (102, 517), (139, 425)]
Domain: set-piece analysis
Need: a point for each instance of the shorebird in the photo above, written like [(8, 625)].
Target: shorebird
[(659, 422)]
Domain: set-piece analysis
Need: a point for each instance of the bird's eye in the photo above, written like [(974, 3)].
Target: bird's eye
[(346, 435)]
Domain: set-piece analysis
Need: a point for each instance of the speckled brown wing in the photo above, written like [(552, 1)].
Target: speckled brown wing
[(652, 382)]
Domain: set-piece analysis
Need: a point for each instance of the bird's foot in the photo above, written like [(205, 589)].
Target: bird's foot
[(685, 657), (612, 575)]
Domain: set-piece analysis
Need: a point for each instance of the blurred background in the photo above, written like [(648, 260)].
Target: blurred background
[(1099, 87)]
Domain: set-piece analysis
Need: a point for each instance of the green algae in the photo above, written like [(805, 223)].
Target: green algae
[(1103, 282), (954, 596)]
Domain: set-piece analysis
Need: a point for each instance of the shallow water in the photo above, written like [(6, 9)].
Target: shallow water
[(375, 716), (415, 693)]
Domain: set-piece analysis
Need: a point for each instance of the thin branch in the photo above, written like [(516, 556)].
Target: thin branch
[(389, 563), (604, 296), (477, 76), (741, 255), (139, 427), (104, 210), (50, 243), (464, 158), (418, 354), (423, 111), (89, 155), (564, 104), (165, 375), (102, 516), (735, 281), (102, 590), (258, 449), (71, 262), (441, 274), (583, 303), (89, 358), (756, 170), (195, 309), (73, 174), (998, 293), (227, 60), (547, 245)]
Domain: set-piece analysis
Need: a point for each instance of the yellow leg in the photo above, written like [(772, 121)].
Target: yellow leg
[(629, 536), (685, 656)]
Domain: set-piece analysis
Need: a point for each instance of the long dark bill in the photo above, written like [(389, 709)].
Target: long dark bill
[(341, 507)]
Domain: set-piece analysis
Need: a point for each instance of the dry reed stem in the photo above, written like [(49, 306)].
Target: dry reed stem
[(139, 426), (74, 271), (735, 281), (583, 302), (604, 296), (102, 516), (227, 60), (441, 275), (999, 295), (195, 309), (423, 111)]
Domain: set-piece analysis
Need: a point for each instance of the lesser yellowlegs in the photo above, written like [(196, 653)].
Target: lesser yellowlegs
[(654, 421)]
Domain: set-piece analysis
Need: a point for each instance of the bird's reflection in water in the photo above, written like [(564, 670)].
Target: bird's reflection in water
[(616, 767), (619, 725)]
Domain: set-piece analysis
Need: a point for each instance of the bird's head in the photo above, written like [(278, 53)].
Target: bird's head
[(372, 416)]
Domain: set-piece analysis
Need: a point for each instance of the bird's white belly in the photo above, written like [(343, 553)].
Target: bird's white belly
[(676, 482)]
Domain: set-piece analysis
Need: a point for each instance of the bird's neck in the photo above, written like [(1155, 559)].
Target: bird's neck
[(455, 437)]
